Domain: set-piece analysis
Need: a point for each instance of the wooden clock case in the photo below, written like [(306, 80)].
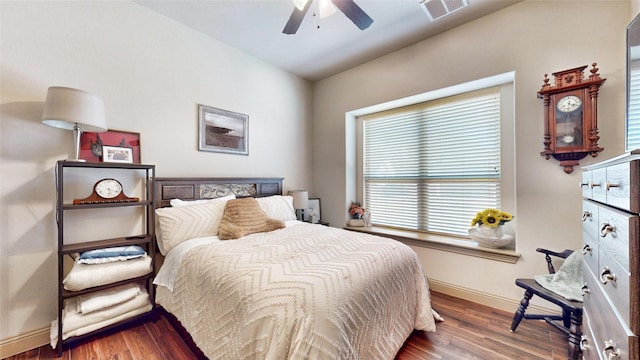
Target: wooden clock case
[(585, 123)]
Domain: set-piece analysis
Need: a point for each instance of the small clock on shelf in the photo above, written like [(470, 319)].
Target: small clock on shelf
[(571, 116), (106, 191)]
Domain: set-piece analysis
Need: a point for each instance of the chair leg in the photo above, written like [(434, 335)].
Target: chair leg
[(524, 304), (575, 333)]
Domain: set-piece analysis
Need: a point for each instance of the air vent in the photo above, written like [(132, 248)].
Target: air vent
[(437, 9)]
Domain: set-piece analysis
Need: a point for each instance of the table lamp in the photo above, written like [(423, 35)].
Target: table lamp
[(300, 202), (76, 110)]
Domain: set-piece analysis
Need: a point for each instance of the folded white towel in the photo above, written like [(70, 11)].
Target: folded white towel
[(103, 299)]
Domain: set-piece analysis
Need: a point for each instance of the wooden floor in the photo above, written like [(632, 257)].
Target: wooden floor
[(470, 331)]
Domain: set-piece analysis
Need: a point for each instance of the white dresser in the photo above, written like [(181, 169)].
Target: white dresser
[(611, 235)]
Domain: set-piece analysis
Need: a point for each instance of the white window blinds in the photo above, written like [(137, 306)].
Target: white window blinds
[(633, 113), (433, 165)]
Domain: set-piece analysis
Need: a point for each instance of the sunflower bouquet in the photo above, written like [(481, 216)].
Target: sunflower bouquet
[(491, 218)]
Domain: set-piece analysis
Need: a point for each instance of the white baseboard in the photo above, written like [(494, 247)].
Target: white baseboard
[(478, 297), (24, 342)]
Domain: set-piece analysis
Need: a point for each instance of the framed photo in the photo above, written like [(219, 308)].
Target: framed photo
[(223, 131), (91, 144), (312, 214), (117, 154)]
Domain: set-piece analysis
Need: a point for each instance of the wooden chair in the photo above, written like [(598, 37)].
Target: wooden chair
[(570, 322)]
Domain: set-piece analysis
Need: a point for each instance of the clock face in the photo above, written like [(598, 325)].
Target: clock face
[(567, 139), (569, 104), (108, 188)]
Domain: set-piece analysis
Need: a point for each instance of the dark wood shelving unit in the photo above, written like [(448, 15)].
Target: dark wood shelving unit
[(145, 239)]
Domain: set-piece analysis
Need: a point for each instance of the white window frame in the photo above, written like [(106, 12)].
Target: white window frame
[(507, 134)]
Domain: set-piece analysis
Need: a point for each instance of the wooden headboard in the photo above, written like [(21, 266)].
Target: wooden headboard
[(208, 188)]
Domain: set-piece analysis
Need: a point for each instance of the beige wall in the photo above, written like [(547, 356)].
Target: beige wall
[(531, 38), (152, 73)]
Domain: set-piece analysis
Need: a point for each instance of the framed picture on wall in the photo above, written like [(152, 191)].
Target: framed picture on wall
[(222, 131), (91, 144), (312, 214)]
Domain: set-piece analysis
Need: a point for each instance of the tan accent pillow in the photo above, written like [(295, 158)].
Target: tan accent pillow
[(244, 217)]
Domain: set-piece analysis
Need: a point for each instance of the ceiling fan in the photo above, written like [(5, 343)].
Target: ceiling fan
[(348, 7)]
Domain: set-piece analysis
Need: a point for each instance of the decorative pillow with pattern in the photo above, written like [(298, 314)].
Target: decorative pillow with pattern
[(243, 217)]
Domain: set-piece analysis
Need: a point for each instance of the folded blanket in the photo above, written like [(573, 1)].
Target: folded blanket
[(567, 281), (83, 276), (95, 326), (103, 299)]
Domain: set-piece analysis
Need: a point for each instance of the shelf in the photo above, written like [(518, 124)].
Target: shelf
[(69, 294), (91, 245), (106, 205), (82, 164), (146, 239)]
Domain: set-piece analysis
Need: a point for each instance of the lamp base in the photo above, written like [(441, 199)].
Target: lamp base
[(300, 214)]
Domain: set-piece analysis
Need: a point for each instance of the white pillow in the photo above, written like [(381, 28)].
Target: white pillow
[(179, 202), (278, 207), (177, 224)]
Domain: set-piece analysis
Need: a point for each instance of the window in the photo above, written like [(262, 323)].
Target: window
[(633, 111), (431, 166)]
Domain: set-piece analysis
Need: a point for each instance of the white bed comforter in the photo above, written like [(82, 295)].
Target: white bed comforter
[(303, 292)]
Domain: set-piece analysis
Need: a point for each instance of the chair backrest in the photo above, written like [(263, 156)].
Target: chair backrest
[(549, 253)]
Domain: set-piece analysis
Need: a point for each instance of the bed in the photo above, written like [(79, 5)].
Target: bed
[(284, 290)]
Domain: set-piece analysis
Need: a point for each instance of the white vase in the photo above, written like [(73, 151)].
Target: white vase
[(490, 237), (491, 232)]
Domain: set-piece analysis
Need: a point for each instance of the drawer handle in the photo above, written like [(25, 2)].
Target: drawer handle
[(610, 351), (583, 184), (609, 185), (584, 346), (592, 185), (586, 250), (606, 276), (585, 290), (606, 229), (586, 215)]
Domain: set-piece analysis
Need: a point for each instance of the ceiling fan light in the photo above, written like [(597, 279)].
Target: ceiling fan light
[(300, 4), (326, 8)]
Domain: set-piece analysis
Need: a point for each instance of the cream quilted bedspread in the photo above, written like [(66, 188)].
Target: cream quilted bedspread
[(304, 292)]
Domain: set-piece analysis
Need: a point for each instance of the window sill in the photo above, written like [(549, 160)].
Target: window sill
[(443, 243)]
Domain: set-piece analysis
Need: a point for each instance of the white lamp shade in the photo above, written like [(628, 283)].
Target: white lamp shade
[(68, 108), (300, 199)]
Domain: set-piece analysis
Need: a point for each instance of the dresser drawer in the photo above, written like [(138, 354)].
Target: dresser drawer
[(585, 184), (588, 344), (590, 234), (614, 280), (616, 185), (607, 332), (616, 227)]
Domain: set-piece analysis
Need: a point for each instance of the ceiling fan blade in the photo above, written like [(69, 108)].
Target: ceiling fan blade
[(296, 19), (354, 12)]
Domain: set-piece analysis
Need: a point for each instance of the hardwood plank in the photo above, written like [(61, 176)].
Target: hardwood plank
[(470, 332)]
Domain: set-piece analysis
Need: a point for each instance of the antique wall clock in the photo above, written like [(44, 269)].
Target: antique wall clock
[(106, 191), (571, 116)]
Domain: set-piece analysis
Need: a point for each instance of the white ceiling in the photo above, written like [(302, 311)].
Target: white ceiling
[(255, 26)]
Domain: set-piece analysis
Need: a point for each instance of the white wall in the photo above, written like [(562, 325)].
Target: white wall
[(531, 38), (152, 73)]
